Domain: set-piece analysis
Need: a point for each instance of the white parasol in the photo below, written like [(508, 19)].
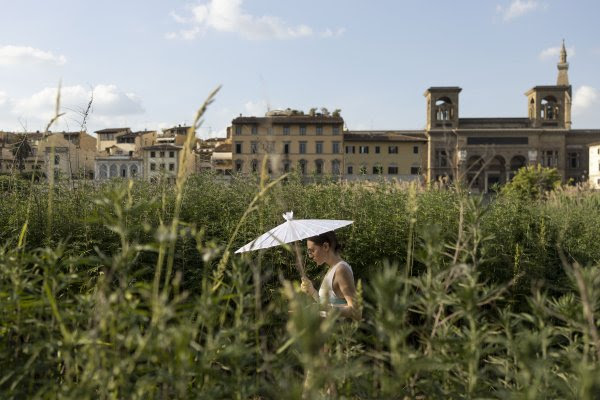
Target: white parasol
[(293, 230)]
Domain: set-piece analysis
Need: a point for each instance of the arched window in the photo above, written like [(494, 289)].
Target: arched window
[(335, 167), (103, 171), (318, 167), (113, 171), (238, 165), (123, 171), (133, 170), (302, 166), (549, 109), (444, 110)]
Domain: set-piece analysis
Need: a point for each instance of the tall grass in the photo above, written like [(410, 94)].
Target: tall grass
[(129, 290)]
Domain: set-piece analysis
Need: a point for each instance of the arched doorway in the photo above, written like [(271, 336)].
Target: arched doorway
[(495, 173), (516, 163)]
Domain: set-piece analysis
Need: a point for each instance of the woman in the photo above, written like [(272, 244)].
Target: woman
[(337, 288)]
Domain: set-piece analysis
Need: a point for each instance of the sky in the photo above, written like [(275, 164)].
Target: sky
[(149, 64)]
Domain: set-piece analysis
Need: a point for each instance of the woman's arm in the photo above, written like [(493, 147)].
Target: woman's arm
[(307, 287), (345, 281)]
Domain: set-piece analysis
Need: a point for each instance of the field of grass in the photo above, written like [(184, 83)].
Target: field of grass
[(131, 290)]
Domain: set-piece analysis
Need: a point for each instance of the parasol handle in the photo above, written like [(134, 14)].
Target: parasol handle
[(299, 263)]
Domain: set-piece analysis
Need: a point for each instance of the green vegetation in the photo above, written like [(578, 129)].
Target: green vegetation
[(104, 297)]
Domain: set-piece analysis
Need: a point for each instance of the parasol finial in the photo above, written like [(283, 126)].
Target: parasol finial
[(288, 216)]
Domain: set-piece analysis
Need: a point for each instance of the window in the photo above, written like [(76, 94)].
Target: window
[(549, 158), (56, 160), (286, 166), (350, 169), (171, 167), (172, 154), (363, 170), (335, 147), (377, 170), (377, 150), (286, 130), (238, 165), (319, 148), (441, 159), (392, 170), (363, 149), (302, 148), (162, 154), (152, 167), (162, 166), (302, 129), (573, 160), (302, 165), (238, 147), (254, 130), (123, 171), (254, 165), (152, 154), (415, 170), (319, 130), (350, 149), (254, 147), (238, 129), (286, 148), (393, 150), (335, 130), (335, 167), (415, 149), (319, 167)]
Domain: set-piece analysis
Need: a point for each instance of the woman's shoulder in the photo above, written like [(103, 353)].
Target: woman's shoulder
[(344, 265)]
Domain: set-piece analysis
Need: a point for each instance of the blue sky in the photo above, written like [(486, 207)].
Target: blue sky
[(151, 63)]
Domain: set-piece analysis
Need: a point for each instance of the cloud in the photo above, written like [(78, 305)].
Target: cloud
[(3, 98), (256, 108), (22, 55), (111, 106), (228, 16), (585, 98), (554, 52), (517, 8)]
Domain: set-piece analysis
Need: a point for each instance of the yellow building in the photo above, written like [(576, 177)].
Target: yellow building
[(400, 155), (312, 142)]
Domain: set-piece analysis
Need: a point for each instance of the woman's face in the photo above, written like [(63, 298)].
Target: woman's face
[(317, 253)]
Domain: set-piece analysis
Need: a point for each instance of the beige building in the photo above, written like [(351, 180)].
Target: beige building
[(221, 159), (312, 142), (399, 155), (69, 154)]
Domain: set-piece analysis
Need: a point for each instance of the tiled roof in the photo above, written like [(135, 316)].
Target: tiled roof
[(113, 130), (385, 136), (292, 119)]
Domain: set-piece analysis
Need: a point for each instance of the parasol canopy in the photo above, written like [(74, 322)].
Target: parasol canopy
[(293, 230)]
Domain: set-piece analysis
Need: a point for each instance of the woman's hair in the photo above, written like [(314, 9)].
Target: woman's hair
[(327, 237)]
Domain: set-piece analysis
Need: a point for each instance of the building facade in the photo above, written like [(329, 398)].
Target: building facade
[(290, 139), (483, 152)]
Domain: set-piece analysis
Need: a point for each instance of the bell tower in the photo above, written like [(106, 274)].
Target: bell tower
[(442, 107), (550, 106)]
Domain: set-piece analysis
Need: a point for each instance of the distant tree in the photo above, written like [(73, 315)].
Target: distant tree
[(21, 151), (533, 182), (336, 112)]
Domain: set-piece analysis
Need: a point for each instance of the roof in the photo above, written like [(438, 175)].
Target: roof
[(385, 136), (443, 89), (289, 119), (164, 146), (113, 130), (223, 148)]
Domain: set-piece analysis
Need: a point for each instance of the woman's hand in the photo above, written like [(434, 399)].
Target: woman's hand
[(307, 287)]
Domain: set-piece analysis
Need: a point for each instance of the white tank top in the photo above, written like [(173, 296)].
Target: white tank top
[(326, 293)]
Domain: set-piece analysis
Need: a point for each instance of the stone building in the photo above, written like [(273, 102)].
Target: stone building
[(487, 151)]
